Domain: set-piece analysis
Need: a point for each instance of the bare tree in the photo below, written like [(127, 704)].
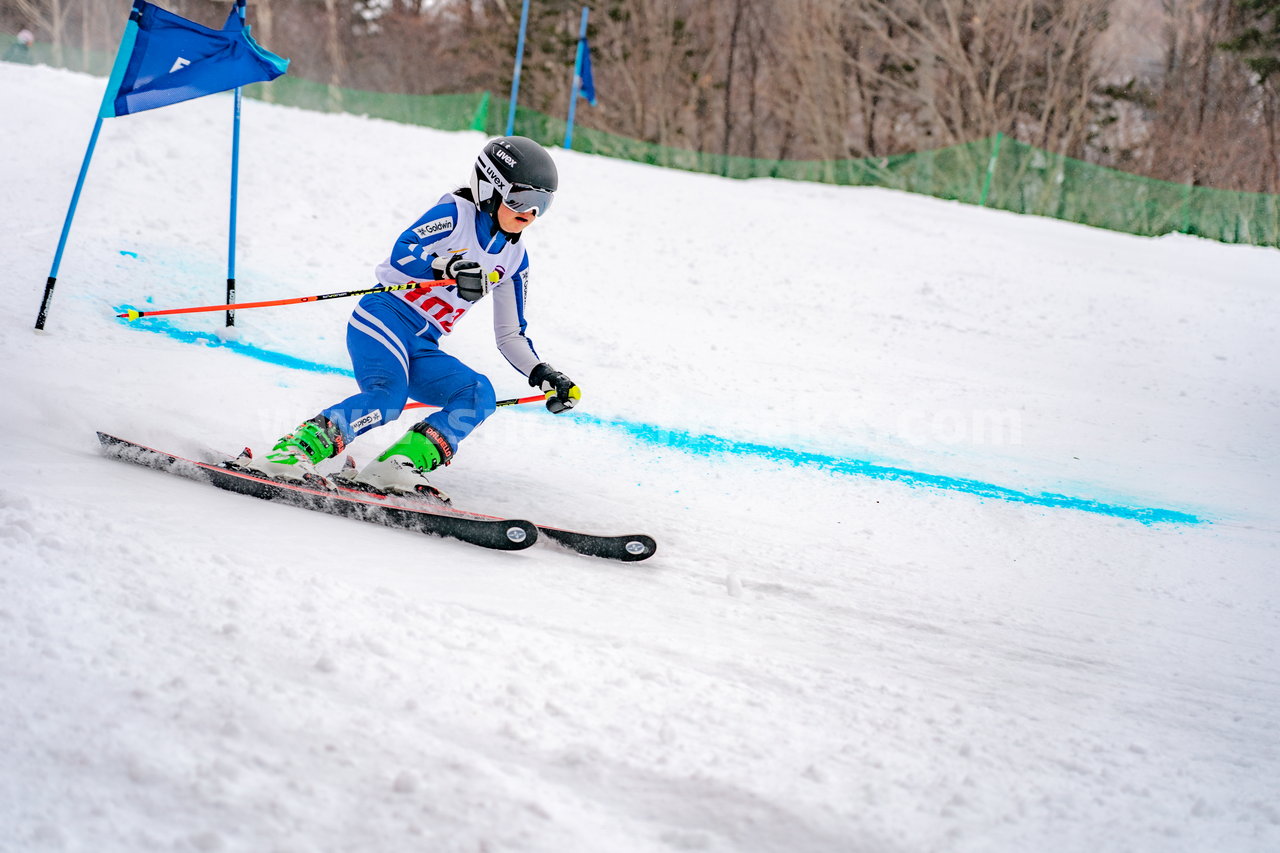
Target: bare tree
[(656, 64), (1255, 42), (815, 80), (1208, 119), (48, 19), (970, 68)]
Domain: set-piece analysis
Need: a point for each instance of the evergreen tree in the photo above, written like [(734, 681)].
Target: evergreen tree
[(1257, 42)]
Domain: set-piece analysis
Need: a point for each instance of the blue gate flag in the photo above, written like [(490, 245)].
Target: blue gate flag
[(586, 83), (165, 59), (583, 85)]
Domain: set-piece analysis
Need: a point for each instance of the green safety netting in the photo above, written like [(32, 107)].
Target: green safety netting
[(998, 172)]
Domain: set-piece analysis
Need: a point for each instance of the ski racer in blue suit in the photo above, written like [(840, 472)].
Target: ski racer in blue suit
[(471, 238)]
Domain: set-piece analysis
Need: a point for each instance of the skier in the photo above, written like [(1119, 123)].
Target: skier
[(20, 50), (472, 236)]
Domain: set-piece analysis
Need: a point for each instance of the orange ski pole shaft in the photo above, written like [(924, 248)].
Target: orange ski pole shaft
[(133, 314)]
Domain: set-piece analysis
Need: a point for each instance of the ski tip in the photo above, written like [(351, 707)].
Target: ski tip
[(628, 549), (639, 548)]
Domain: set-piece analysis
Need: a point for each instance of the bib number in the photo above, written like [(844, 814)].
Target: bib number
[(443, 313)]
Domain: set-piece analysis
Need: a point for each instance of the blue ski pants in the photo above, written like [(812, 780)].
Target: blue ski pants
[(395, 360)]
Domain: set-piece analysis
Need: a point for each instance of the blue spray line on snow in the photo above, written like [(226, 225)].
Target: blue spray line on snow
[(212, 339), (703, 444)]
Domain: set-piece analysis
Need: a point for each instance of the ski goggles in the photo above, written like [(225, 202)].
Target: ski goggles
[(523, 199)]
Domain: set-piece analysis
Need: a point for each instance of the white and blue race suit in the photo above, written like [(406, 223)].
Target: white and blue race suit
[(394, 338)]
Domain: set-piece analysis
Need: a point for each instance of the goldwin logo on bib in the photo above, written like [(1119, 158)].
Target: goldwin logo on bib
[(429, 228), (374, 417)]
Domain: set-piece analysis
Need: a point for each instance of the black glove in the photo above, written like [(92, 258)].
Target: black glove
[(467, 276), (561, 392)]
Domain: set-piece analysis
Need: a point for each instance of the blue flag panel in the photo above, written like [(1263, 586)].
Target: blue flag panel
[(165, 59), (587, 87)]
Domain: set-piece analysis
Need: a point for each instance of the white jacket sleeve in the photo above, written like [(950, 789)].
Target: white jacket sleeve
[(509, 321)]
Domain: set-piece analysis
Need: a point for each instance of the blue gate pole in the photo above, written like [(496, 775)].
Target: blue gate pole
[(231, 239), (66, 227), (577, 79), (235, 181), (106, 110), (515, 79)]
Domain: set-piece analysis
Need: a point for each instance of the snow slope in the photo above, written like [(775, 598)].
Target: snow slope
[(967, 521)]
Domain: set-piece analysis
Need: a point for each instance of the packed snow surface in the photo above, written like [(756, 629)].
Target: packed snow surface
[(967, 521)]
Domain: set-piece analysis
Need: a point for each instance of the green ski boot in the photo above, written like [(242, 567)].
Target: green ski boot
[(402, 468), (296, 455)]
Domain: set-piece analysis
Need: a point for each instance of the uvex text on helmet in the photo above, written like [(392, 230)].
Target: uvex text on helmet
[(509, 167)]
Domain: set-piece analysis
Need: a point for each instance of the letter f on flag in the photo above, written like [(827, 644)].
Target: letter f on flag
[(165, 59)]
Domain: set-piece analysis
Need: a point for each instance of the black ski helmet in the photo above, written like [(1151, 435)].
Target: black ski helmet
[(515, 170)]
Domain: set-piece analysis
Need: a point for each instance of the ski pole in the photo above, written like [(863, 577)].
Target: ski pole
[(514, 401), (133, 314)]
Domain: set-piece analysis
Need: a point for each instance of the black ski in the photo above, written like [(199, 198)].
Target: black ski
[(499, 533), (629, 548)]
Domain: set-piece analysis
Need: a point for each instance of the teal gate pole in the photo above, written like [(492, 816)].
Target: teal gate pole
[(515, 78), (577, 79)]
